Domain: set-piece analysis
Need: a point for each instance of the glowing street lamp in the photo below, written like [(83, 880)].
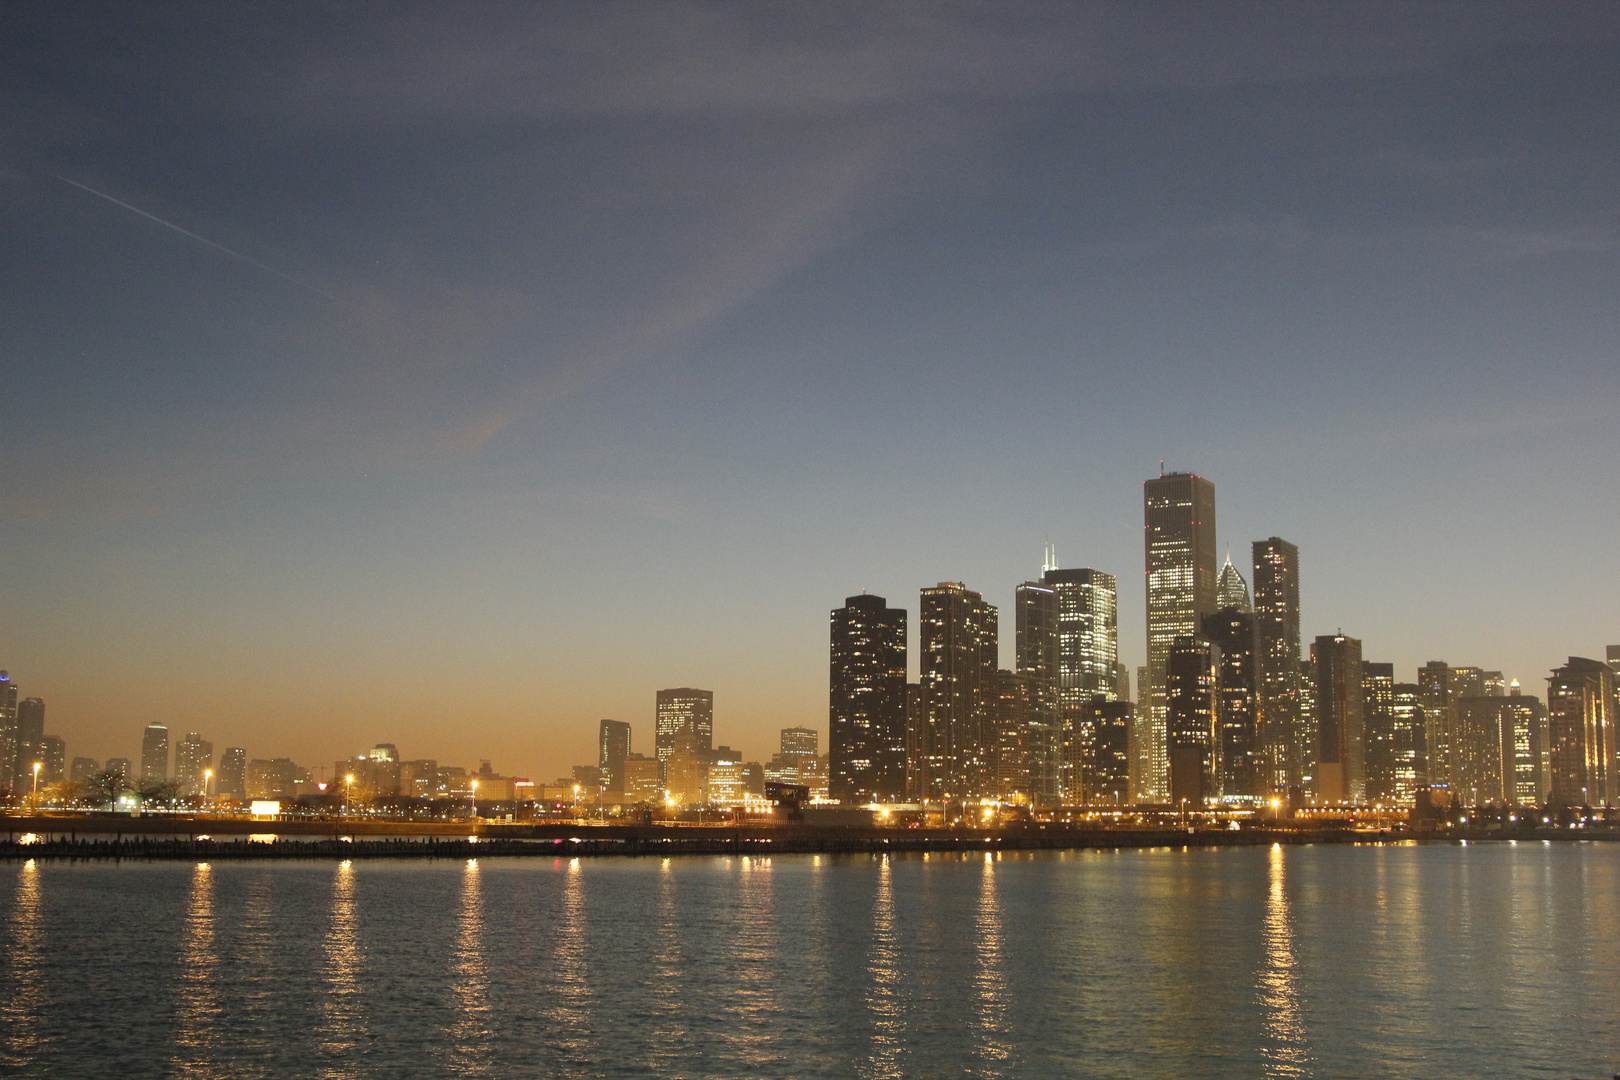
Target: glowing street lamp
[(348, 783), (37, 766), (208, 783), (474, 798)]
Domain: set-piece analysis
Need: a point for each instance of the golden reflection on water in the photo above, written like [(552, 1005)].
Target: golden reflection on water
[(755, 955), (197, 1006), (569, 1017), (469, 1032), (1285, 1051), (989, 984), (669, 1042), (342, 1017), (883, 995), (25, 961)]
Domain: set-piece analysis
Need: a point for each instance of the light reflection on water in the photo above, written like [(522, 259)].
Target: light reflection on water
[(1301, 962)]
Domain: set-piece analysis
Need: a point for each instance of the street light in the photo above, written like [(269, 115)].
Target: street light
[(37, 766), (208, 782), (475, 798), (348, 782)]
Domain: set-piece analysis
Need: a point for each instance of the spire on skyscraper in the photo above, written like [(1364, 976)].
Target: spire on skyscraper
[(1231, 591), (1049, 561)]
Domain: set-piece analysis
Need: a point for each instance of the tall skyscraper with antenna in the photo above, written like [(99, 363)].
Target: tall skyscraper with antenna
[(1178, 511), (1284, 744)]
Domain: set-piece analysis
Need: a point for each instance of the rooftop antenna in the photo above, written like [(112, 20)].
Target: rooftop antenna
[(1049, 560), (1161, 466)]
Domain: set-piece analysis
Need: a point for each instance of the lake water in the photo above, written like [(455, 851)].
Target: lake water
[(1334, 961)]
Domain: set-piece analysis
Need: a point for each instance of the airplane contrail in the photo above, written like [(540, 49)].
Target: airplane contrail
[(203, 240)]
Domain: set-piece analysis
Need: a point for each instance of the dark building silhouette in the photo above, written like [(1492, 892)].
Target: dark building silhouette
[(30, 743), (1178, 514), (1108, 771), (1231, 630), (9, 777), (1581, 733), (612, 748), (53, 760), (1190, 699), (1340, 721), (230, 781), (154, 754), (866, 738), (1036, 662), (1283, 740), (959, 664), (683, 709)]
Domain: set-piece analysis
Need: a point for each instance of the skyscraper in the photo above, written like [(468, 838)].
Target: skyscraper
[(1410, 771), (1036, 662), (1108, 769), (1178, 511), (1087, 618), (1231, 591), (1379, 753), (683, 709), (1277, 658), (8, 733), (231, 780), (959, 664), (866, 705), (52, 759), (1497, 751), (1231, 630), (1581, 733), (1340, 721), (1014, 746), (193, 757), (613, 747), (154, 754), (1190, 709), (30, 740), (1444, 686)]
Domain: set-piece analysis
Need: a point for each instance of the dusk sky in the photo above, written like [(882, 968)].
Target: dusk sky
[(457, 376)]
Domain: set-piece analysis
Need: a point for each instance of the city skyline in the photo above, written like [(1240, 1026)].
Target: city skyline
[(609, 349)]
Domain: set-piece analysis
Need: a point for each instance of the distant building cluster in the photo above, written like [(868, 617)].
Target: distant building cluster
[(686, 768), (1228, 710)]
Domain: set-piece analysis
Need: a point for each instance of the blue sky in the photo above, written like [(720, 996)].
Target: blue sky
[(580, 350)]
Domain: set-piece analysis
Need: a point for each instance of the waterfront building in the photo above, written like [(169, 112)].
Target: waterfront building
[(120, 766), (612, 747), (1340, 720), (83, 770), (1282, 735), (679, 709), (1190, 703), (30, 742), (1410, 768), (273, 778), (917, 781), (8, 732), (866, 734), (1498, 750), (1036, 662), (1016, 748), (230, 780), (1178, 511), (193, 757), (641, 780), (154, 755), (1443, 686), (52, 759), (1086, 605), (1379, 755), (686, 770), (1581, 733), (1236, 772), (1108, 772), (959, 664)]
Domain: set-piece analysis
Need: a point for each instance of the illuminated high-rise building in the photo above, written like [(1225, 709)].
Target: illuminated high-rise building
[(612, 748), (52, 759), (1086, 604), (683, 709), (799, 743), (959, 664), (1282, 738), (1379, 743), (1178, 511), (1497, 753), (1444, 686), (1190, 697), (1014, 746), (193, 757), (30, 741), (1036, 662), (154, 754), (1340, 720), (1581, 731), (866, 735), (1108, 769), (1231, 591), (1410, 770), (8, 733), (1236, 771), (230, 781)]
